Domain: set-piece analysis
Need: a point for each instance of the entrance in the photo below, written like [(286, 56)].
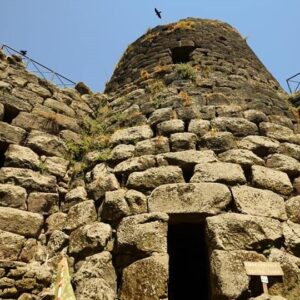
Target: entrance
[(188, 262)]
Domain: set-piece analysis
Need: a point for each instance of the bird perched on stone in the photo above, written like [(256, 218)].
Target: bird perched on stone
[(23, 52), (158, 13)]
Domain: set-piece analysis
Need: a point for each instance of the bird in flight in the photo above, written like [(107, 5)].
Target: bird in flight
[(23, 52), (158, 13)]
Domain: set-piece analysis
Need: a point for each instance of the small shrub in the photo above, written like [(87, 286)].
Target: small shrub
[(42, 167), (185, 72), (155, 87), (144, 75), (186, 98)]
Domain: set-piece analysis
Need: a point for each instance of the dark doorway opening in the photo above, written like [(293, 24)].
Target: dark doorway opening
[(188, 262), (181, 54)]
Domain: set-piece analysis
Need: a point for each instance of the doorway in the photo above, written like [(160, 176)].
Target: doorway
[(188, 262)]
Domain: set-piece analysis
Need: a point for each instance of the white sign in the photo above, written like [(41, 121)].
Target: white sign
[(264, 279)]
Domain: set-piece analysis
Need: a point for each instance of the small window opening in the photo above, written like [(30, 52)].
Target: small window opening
[(9, 114), (181, 54), (188, 262)]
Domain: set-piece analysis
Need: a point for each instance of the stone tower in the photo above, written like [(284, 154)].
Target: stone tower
[(160, 188)]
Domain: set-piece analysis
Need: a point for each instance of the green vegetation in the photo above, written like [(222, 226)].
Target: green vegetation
[(185, 72), (42, 167)]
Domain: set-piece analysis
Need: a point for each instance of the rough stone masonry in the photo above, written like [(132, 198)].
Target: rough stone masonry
[(191, 129)]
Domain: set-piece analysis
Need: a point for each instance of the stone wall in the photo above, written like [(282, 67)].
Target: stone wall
[(99, 177)]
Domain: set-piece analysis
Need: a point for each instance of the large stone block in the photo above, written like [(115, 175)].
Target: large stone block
[(228, 275), (218, 141), (257, 202), (43, 203), (293, 209), (170, 126), (237, 126), (136, 164), (260, 145), (12, 196), (144, 233), (190, 199), (274, 180), (241, 156), (11, 134), (289, 286), (233, 231), (159, 144), (81, 214), (28, 179), (154, 177), (284, 163), (10, 245), (279, 132), (45, 143), (121, 203), (188, 158), (219, 172), (183, 141), (146, 279), (132, 134), (90, 237), (97, 266), (21, 157), (20, 222), (290, 150), (291, 233)]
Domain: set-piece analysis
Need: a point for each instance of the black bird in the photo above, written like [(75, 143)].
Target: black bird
[(158, 13), (23, 52)]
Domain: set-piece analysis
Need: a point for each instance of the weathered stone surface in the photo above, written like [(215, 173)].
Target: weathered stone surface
[(98, 266), (291, 233), (20, 222), (241, 156), (237, 126), (43, 92), (33, 250), (146, 233), (183, 141), (45, 143), (154, 177), (95, 289), (146, 279), (132, 134), (103, 181), (14, 103), (43, 203), (260, 145), (57, 241), (228, 274), (190, 198), (284, 163), (161, 114), (219, 172), (155, 145), (170, 126), (11, 134), (121, 203), (57, 166), (218, 141), (59, 107), (257, 202), (199, 127), (289, 286), (255, 116), (233, 231), (10, 245), (56, 222), (122, 152), (278, 132), (188, 158), (274, 180), (290, 150), (136, 164), (281, 120), (73, 197), (81, 214), (90, 237), (12, 196), (293, 209), (21, 157), (28, 179)]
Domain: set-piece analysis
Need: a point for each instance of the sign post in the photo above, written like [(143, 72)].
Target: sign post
[(263, 269)]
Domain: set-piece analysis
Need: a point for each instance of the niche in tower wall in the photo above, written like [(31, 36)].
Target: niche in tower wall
[(181, 54), (188, 262)]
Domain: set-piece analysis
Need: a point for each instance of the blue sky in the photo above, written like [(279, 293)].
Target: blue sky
[(84, 39)]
